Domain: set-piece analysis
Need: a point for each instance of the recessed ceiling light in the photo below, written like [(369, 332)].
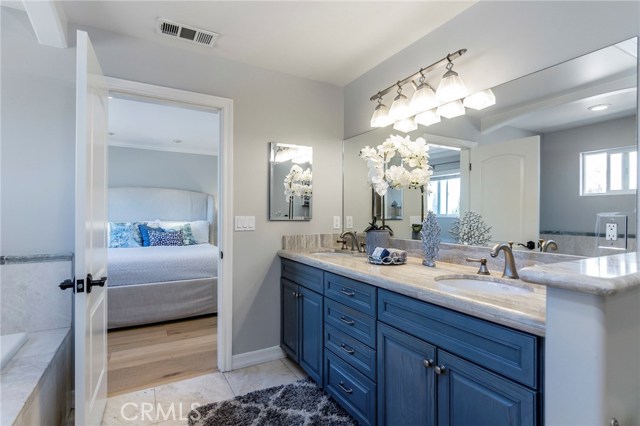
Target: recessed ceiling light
[(599, 107), (177, 141)]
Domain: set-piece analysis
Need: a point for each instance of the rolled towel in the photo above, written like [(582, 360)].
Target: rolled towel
[(397, 254), (380, 253)]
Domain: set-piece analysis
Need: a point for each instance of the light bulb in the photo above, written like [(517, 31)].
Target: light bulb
[(405, 125), (400, 108), (423, 99), (381, 116), (428, 118), (452, 109), (451, 87), (480, 100)]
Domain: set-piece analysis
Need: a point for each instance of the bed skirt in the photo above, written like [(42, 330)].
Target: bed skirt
[(138, 304)]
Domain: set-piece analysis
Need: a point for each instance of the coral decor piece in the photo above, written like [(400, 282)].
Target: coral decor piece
[(471, 229)]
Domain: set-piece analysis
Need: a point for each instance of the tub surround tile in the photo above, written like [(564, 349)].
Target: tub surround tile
[(260, 376), (525, 312), (42, 342)]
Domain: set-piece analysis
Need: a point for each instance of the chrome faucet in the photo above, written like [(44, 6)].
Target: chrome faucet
[(549, 244), (510, 270), (354, 239)]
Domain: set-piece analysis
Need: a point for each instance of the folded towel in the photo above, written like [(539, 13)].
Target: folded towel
[(397, 254), (380, 253)]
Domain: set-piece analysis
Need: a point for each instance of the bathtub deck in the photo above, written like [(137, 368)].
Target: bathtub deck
[(21, 380)]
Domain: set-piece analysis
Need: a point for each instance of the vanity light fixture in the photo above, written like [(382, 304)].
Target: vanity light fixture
[(480, 100), (451, 86), (599, 107), (427, 105), (428, 118), (451, 109)]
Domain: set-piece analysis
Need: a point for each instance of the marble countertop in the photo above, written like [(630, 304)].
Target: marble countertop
[(523, 309), (604, 275)]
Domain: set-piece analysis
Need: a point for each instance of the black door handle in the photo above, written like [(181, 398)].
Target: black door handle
[(91, 282), (66, 284)]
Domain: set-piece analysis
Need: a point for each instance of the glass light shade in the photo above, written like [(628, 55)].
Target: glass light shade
[(381, 116), (451, 87), (480, 100), (428, 118), (452, 109), (406, 125), (423, 99), (400, 108)]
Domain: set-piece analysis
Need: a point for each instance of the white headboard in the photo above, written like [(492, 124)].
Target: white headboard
[(131, 204)]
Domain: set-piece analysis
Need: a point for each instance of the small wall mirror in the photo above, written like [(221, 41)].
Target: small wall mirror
[(290, 182)]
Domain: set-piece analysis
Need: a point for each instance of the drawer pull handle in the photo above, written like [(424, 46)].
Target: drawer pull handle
[(428, 363), (346, 292), (347, 349), (347, 320), (345, 390), (441, 369)]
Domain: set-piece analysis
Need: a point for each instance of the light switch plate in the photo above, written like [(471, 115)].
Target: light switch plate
[(245, 223), (349, 220), (336, 222)]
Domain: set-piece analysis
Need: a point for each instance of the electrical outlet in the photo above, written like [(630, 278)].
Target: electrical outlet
[(336, 222), (611, 231), (349, 221)]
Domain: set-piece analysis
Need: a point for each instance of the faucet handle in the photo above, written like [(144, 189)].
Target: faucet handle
[(344, 243), (483, 265)]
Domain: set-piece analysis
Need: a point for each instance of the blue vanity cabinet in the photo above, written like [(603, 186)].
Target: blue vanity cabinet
[(302, 317)]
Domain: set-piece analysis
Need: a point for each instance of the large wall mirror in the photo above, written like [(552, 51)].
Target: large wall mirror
[(290, 181), (555, 158)]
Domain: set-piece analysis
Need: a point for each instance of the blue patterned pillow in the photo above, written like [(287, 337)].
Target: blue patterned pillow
[(124, 235), (187, 234), (143, 229), (158, 237)]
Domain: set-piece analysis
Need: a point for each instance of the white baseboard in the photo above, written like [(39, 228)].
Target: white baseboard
[(260, 356)]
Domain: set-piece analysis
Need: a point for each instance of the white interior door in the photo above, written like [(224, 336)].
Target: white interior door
[(505, 188), (90, 237)]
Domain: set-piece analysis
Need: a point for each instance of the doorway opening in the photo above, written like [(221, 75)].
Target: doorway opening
[(166, 304)]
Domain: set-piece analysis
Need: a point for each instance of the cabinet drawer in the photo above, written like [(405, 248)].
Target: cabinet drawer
[(508, 352), (356, 295), (351, 322), (359, 355), (353, 391), (304, 275)]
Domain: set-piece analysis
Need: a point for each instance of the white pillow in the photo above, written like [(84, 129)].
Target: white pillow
[(199, 229)]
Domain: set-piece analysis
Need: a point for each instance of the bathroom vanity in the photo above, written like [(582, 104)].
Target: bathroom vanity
[(416, 345), (400, 345)]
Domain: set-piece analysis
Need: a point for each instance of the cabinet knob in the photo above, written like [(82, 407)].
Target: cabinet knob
[(440, 369), (614, 422), (294, 294), (341, 384), (428, 363)]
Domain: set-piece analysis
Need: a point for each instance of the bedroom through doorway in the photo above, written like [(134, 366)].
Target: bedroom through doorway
[(163, 197)]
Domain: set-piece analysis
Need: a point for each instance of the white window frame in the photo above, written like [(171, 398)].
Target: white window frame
[(445, 175), (625, 172)]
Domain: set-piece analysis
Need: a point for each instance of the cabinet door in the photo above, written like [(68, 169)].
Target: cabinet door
[(289, 318), (311, 333), (406, 379), (471, 395)]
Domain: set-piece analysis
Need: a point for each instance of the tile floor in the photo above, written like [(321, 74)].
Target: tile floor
[(169, 405)]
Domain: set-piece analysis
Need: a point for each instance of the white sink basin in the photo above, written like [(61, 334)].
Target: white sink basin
[(481, 286)]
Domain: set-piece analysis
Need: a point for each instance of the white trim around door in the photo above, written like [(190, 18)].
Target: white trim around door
[(225, 221)]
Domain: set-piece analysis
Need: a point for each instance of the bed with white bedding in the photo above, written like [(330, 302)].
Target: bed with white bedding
[(161, 283)]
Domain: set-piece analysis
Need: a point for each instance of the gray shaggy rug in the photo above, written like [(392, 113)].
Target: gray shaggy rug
[(301, 403)]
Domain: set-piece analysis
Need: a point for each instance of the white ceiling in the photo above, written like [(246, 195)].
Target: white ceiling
[(329, 41), (144, 125)]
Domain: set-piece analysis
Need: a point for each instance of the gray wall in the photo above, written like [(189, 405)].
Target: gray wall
[(561, 206), (505, 40), (38, 115), (162, 169)]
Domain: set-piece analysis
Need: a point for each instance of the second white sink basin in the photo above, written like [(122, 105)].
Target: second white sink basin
[(481, 286)]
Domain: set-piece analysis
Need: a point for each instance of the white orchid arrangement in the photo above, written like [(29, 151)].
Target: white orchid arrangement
[(413, 172), (297, 182)]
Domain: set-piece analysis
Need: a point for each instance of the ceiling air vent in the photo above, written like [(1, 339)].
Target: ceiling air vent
[(188, 33)]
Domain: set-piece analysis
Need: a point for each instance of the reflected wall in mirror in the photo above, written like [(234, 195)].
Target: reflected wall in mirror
[(540, 164), (290, 182)]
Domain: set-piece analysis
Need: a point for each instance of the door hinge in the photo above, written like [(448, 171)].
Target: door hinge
[(221, 254), (469, 166), (79, 286)]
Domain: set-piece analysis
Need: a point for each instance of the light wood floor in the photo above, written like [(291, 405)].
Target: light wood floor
[(147, 356)]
